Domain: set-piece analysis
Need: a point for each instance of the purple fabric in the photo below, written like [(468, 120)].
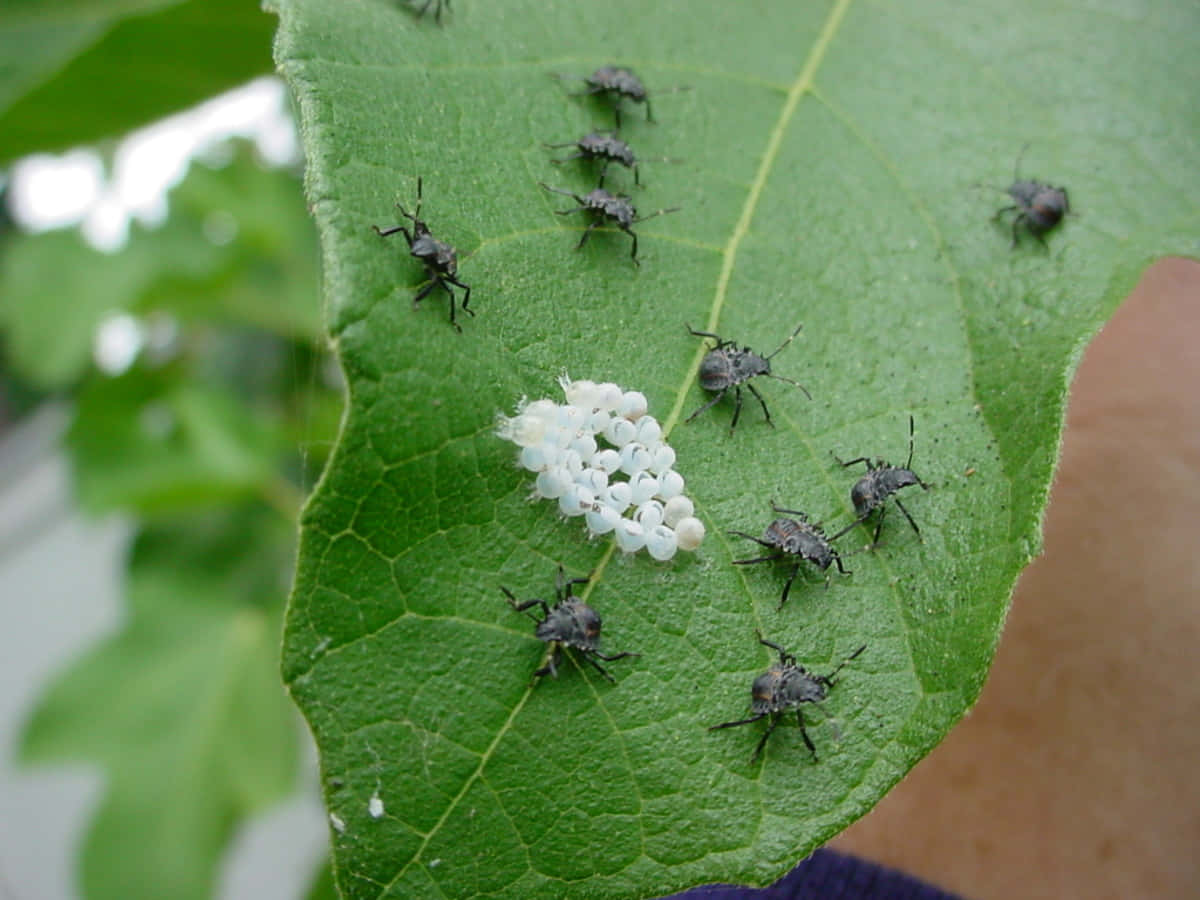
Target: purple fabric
[(827, 875)]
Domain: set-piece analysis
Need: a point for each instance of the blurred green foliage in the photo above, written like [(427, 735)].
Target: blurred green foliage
[(212, 435)]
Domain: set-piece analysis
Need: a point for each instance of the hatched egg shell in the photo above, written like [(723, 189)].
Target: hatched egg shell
[(620, 432), (630, 536), (661, 542)]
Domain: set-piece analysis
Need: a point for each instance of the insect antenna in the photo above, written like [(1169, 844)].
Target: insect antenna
[(789, 381), (555, 190), (829, 679), (791, 337), (908, 464), (661, 212)]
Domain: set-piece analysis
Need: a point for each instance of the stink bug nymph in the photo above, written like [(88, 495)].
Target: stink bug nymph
[(798, 538), (786, 685), (438, 257), (605, 207), (569, 623), (881, 481), (1036, 206), (725, 366), (603, 145), (619, 84)]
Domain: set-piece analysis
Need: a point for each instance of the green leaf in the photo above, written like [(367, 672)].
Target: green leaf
[(155, 442), (827, 163), (181, 709), (55, 290), (79, 72)]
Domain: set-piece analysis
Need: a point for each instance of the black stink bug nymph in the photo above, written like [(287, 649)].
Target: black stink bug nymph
[(569, 623), (605, 207), (1037, 206), (797, 538), (438, 257), (783, 687), (881, 481), (725, 367), (602, 145), (619, 84)]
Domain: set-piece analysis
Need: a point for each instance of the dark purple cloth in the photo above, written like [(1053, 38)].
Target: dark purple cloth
[(827, 875)]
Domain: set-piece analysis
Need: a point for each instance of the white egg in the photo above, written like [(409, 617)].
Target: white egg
[(633, 405), (678, 507), (689, 532), (620, 432), (670, 484)]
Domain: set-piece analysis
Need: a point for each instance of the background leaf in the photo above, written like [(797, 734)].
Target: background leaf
[(236, 249), (79, 72), (181, 708), (831, 157)]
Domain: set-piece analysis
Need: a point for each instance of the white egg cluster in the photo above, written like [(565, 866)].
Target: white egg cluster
[(628, 487)]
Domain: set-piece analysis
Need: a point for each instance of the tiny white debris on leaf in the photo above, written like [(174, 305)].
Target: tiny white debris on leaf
[(338, 823), (628, 487), (375, 806)]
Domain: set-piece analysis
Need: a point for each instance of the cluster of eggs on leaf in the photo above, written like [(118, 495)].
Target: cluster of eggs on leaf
[(601, 456)]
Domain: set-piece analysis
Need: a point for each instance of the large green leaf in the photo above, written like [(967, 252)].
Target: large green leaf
[(78, 72), (828, 157), (181, 709)]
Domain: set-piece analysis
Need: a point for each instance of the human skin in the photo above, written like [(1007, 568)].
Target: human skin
[(1078, 772)]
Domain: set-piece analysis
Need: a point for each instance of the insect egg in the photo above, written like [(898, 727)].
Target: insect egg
[(677, 508), (572, 461), (584, 444), (552, 482), (607, 461), (619, 496), (689, 532), (633, 405), (537, 457), (608, 396), (634, 458), (522, 430), (578, 393), (663, 459), (593, 479), (661, 542), (598, 421), (630, 536), (648, 430), (670, 484), (649, 514), (644, 486), (601, 519), (576, 500), (546, 410), (620, 431)]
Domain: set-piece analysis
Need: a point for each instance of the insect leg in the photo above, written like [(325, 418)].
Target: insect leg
[(761, 402), (879, 524), (907, 516), (466, 297), (804, 734), (632, 252), (850, 462), (737, 408), (787, 587), (599, 668), (738, 722), (424, 292), (384, 232), (603, 172), (762, 742), (587, 233), (709, 405)]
